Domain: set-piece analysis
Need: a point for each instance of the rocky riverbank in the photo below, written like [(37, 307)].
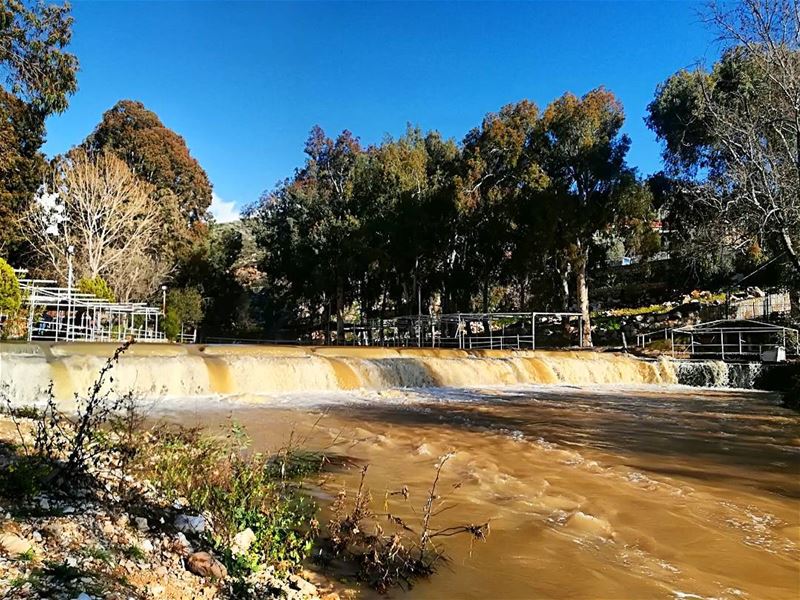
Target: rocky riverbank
[(120, 538)]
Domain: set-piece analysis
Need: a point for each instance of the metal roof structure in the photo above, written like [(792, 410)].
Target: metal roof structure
[(734, 338), (58, 313)]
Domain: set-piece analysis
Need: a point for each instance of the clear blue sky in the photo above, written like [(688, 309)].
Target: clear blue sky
[(245, 82)]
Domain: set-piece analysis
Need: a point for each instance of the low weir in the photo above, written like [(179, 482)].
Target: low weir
[(166, 370)]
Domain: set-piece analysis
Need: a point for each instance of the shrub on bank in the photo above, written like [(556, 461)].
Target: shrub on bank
[(238, 492)]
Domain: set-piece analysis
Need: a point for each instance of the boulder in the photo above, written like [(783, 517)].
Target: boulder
[(242, 542), (13, 545), (190, 523), (306, 588), (205, 565)]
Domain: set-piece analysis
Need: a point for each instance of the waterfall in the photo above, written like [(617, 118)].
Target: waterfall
[(163, 370), (716, 373)]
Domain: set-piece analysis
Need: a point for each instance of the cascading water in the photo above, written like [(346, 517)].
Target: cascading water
[(718, 374), (176, 371)]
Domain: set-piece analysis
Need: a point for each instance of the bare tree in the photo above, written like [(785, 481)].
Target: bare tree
[(755, 170), (97, 206)]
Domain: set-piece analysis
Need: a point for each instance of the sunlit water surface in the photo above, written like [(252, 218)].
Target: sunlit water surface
[(648, 492)]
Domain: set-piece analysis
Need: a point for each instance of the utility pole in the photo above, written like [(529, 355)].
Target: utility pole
[(70, 253)]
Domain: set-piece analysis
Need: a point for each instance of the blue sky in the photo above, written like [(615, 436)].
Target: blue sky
[(245, 82)]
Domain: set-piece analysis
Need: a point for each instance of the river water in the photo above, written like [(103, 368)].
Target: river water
[(658, 491)]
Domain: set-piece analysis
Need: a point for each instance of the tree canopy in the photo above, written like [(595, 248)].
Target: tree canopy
[(39, 75), (732, 133), (159, 156)]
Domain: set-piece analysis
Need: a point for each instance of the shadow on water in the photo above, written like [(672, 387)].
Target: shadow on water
[(713, 435)]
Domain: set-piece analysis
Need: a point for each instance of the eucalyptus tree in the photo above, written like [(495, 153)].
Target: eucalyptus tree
[(39, 76), (731, 133), (404, 197), (584, 158), (309, 226), (161, 157), (500, 169)]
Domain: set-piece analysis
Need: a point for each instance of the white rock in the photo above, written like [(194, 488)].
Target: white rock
[(155, 589), (242, 541), (190, 524), (146, 545), (13, 545), (141, 523), (84, 596), (44, 503)]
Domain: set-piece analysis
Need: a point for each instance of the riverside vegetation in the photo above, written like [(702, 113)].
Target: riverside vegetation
[(95, 504)]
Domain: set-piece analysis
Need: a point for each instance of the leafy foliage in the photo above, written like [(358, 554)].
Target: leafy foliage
[(238, 491), (10, 293), (731, 136), (33, 37), (97, 286), (39, 77), (184, 305), (161, 157)]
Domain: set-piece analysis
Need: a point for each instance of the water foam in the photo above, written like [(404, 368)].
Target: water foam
[(178, 371)]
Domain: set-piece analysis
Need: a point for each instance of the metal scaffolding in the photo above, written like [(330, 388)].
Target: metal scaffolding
[(65, 314), (734, 339), (506, 330)]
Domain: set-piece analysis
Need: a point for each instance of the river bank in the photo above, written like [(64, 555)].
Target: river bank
[(114, 535)]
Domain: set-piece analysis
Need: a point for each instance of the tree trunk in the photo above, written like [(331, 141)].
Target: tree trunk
[(383, 314), (790, 251), (327, 323), (339, 310), (563, 270), (582, 289)]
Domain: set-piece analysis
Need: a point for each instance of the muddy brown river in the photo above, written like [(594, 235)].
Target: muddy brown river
[(591, 492)]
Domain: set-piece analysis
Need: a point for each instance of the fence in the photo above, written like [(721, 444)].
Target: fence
[(762, 308), (501, 331)]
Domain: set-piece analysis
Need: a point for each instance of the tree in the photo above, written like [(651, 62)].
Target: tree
[(37, 69), (732, 134), (585, 162), (500, 171), (403, 194), (96, 286), (39, 77), (159, 156), (10, 293), (22, 167), (308, 226), (100, 210), (184, 305)]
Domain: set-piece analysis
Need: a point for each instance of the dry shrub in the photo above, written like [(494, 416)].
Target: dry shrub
[(404, 554)]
